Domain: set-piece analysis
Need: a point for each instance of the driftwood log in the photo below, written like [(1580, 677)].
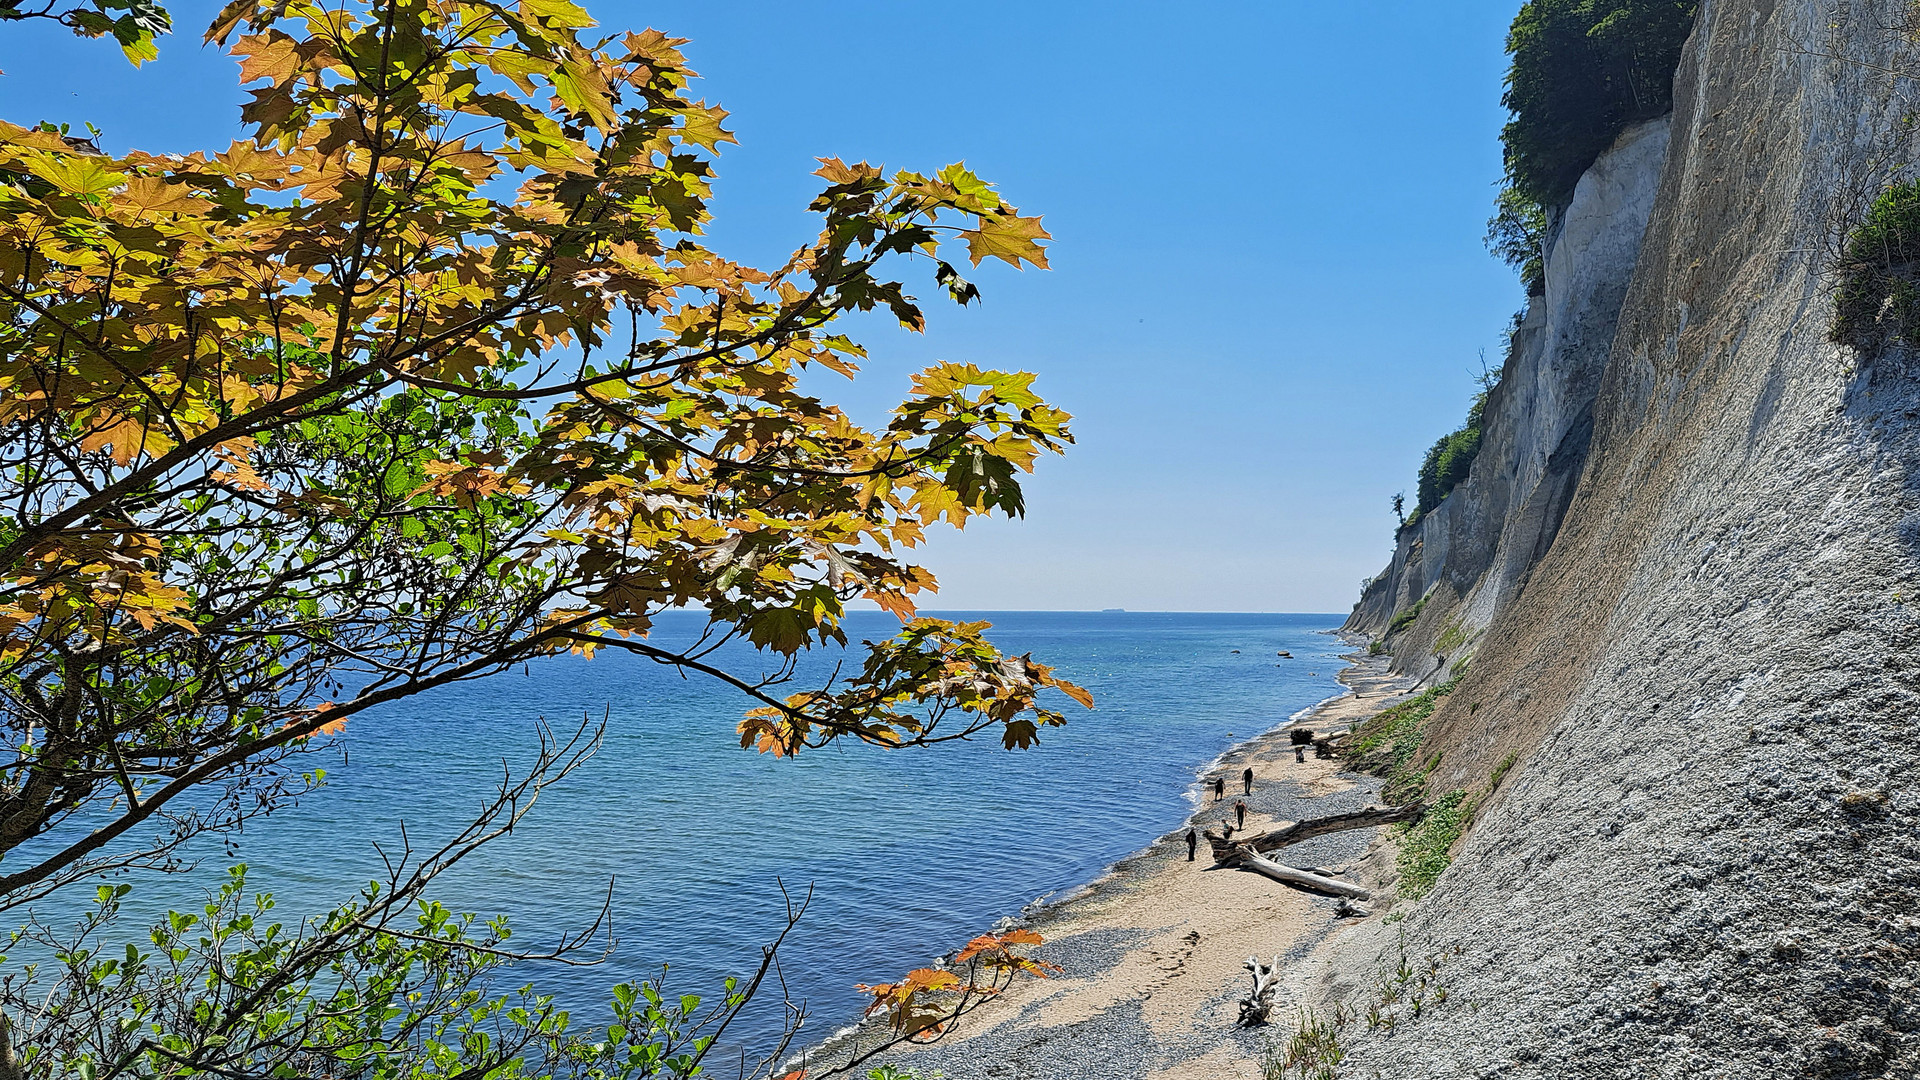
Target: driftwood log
[(1259, 864), (1274, 840), (1256, 1007)]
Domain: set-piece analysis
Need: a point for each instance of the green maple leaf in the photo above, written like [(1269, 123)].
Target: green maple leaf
[(1008, 237)]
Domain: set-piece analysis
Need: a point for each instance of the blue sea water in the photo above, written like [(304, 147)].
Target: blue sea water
[(908, 853)]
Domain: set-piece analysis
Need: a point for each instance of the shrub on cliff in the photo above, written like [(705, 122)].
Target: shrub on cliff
[(1583, 71), (1878, 298), (1517, 233), (1449, 460)]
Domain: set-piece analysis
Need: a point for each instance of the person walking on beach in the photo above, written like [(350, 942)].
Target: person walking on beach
[(1240, 812), (1193, 843), (1246, 778), (1219, 789)]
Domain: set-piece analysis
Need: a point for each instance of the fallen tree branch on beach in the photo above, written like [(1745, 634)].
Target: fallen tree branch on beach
[(1247, 860), (1224, 846)]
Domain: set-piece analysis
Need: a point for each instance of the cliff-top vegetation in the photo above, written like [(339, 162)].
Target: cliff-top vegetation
[(1583, 71), (1449, 460)]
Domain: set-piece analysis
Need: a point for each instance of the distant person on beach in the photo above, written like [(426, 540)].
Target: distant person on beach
[(1219, 789), (1193, 843), (1246, 778), (1240, 812)]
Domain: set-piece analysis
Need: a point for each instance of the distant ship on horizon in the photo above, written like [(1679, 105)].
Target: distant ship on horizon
[(1113, 611)]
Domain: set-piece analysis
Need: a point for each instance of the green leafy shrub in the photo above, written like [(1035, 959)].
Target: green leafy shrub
[(1376, 647), (1450, 460), (1583, 71), (1426, 846), (1386, 742), (1405, 619), (1878, 298)]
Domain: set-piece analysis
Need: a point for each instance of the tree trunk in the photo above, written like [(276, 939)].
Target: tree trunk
[(1247, 860), (1307, 830), (1256, 1007)]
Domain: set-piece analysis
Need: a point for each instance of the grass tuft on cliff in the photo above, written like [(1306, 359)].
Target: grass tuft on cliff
[(1312, 1052), (1386, 743), (1405, 619), (1877, 301)]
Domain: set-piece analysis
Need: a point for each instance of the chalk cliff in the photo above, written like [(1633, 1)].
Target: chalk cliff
[(1684, 566), (1472, 552)]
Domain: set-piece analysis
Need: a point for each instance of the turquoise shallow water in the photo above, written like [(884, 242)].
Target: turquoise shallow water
[(909, 852)]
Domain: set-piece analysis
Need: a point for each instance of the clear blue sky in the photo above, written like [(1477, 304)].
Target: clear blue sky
[(1268, 294)]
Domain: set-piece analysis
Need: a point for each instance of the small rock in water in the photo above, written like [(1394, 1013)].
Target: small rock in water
[(1286, 654)]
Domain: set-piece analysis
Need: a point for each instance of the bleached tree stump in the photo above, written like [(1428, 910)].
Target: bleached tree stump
[(1257, 1006)]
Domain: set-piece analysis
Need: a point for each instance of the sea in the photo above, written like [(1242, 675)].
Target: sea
[(905, 853)]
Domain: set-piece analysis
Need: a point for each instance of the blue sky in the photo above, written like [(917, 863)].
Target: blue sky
[(1268, 296)]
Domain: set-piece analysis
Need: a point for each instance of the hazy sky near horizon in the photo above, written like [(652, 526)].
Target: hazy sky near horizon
[(1269, 293)]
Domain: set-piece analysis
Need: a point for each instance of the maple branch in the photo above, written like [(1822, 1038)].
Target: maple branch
[(292, 732)]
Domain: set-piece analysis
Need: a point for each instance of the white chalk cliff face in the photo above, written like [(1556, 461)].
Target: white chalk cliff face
[(1478, 546), (1706, 861)]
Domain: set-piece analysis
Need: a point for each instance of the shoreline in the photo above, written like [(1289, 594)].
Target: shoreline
[(1151, 949), (1233, 758)]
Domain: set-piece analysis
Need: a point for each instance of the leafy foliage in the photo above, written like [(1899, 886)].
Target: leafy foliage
[(430, 376), (1426, 845), (1405, 619), (972, 677), (1582, 72), (1517, 234), (433, 376), (1877, 301), (923, 1002), (134, 24), (1387, 742), (1449, 461), (413, 995)]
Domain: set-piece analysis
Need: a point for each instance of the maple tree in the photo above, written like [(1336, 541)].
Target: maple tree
[(433, 375), (135, 24)]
